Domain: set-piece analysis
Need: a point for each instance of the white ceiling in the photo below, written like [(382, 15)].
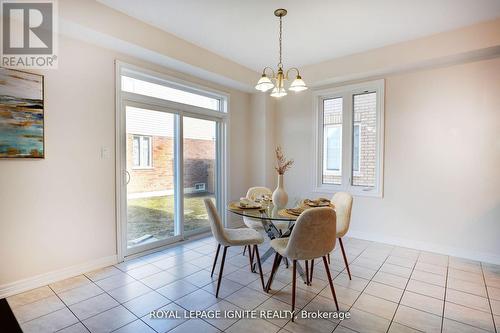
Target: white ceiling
[(314, 30)]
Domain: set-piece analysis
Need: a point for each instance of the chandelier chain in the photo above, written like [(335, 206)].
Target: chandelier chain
[(280, 39)]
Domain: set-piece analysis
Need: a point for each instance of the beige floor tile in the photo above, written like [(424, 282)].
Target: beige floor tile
[(433, 258), (253, 326), (423, 303), (391, 280), (362, 272), (129, 291), (492, 281), (439, 280), (223, 322), (109, 320), (398, 328), (342, 329), (384, 291), (465, 265), (74, 282), (356, 283), (396, 270), (451, 326), (177, 289), (301, 325), (137, 326), (273, 304), (464, 275), (368, 263), (322, 304), (344, 295), (198, 300), (93, 306), (77, 328), (164, 325), (469, 316), (195, 325), (466, 299), (468, 287), (405, 252), (242, 276), (430, 268), (377, 306), (79, 294), (51, 322), (38, 308), (494, 293), (142, 305), (131, 264), (364, 322), (29, 296), (426, 289), (417, 319), (495, 307), (247, 298), (143, 271), (159, 280), (102, 273), (227, 287), (404, 262), (115, 281), (200, 279)]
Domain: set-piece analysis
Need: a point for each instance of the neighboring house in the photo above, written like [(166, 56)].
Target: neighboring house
[(150, 161)]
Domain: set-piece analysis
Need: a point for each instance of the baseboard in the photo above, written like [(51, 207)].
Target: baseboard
[(20, 286), (426, 246)]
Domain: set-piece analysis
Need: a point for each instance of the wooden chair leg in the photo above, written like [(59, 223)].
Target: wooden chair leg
[(215, 260), (312, 268), (345, 258), (221, 270), (307, 272), (331, 282), (256, 254), (250, 257), (276, 265), (329, 259), (244, 250), (294, 281)]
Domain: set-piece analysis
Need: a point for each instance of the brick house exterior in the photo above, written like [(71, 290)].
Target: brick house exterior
[(365, 118)]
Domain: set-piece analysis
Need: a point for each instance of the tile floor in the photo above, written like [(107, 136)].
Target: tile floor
[(393, 289)]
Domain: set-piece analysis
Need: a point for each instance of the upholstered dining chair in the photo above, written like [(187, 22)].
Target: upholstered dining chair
[(343, 207), (232, 237), (313, 236)]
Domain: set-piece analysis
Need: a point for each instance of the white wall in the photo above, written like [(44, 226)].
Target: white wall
[(60, 211), (442, 160)]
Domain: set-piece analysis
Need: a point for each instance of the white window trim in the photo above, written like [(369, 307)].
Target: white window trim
[(141, 166), (223, 133), (346, 93)]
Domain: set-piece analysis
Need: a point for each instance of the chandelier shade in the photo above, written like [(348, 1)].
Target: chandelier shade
[(276, 80)]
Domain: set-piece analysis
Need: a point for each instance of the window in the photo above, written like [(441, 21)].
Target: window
[(350, 139), (141, 154)]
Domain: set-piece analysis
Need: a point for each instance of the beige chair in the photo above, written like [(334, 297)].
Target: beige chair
[(313, 236), (343, 208), (231, 237)]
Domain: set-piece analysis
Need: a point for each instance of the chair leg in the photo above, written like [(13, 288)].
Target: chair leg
[(244, 249), (312, 268), (276, 265), (307, 272), (331, 282), (250, 257), (286, 262), (345, 258), (329, 259), (294, 282), (215, 260), (256, 254), (221, 269)]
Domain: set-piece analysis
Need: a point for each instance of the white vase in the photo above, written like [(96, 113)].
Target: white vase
[(280, 197)]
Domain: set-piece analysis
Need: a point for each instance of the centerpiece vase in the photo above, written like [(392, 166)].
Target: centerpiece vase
[(280, 197)]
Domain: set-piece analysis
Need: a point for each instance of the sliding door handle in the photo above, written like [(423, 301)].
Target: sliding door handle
[(127, 177)]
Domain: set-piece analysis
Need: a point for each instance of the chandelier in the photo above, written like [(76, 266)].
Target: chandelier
[(276, 80)]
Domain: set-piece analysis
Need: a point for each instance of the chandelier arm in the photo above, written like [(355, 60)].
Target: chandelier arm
[(272, 71), (290, 69)]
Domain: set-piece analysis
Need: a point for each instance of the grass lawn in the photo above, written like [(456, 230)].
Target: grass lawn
[(155, 215)]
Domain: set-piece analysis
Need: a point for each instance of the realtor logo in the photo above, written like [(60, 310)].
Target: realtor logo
[(29, 34)]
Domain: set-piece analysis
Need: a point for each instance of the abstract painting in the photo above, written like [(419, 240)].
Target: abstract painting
[(21, 115)]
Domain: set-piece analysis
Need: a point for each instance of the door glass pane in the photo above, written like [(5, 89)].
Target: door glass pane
[(151, 176), (199, 170), (332, 141), (364, 158)]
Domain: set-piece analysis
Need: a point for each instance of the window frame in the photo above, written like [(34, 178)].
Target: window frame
[(142, 166), (347, 93)]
